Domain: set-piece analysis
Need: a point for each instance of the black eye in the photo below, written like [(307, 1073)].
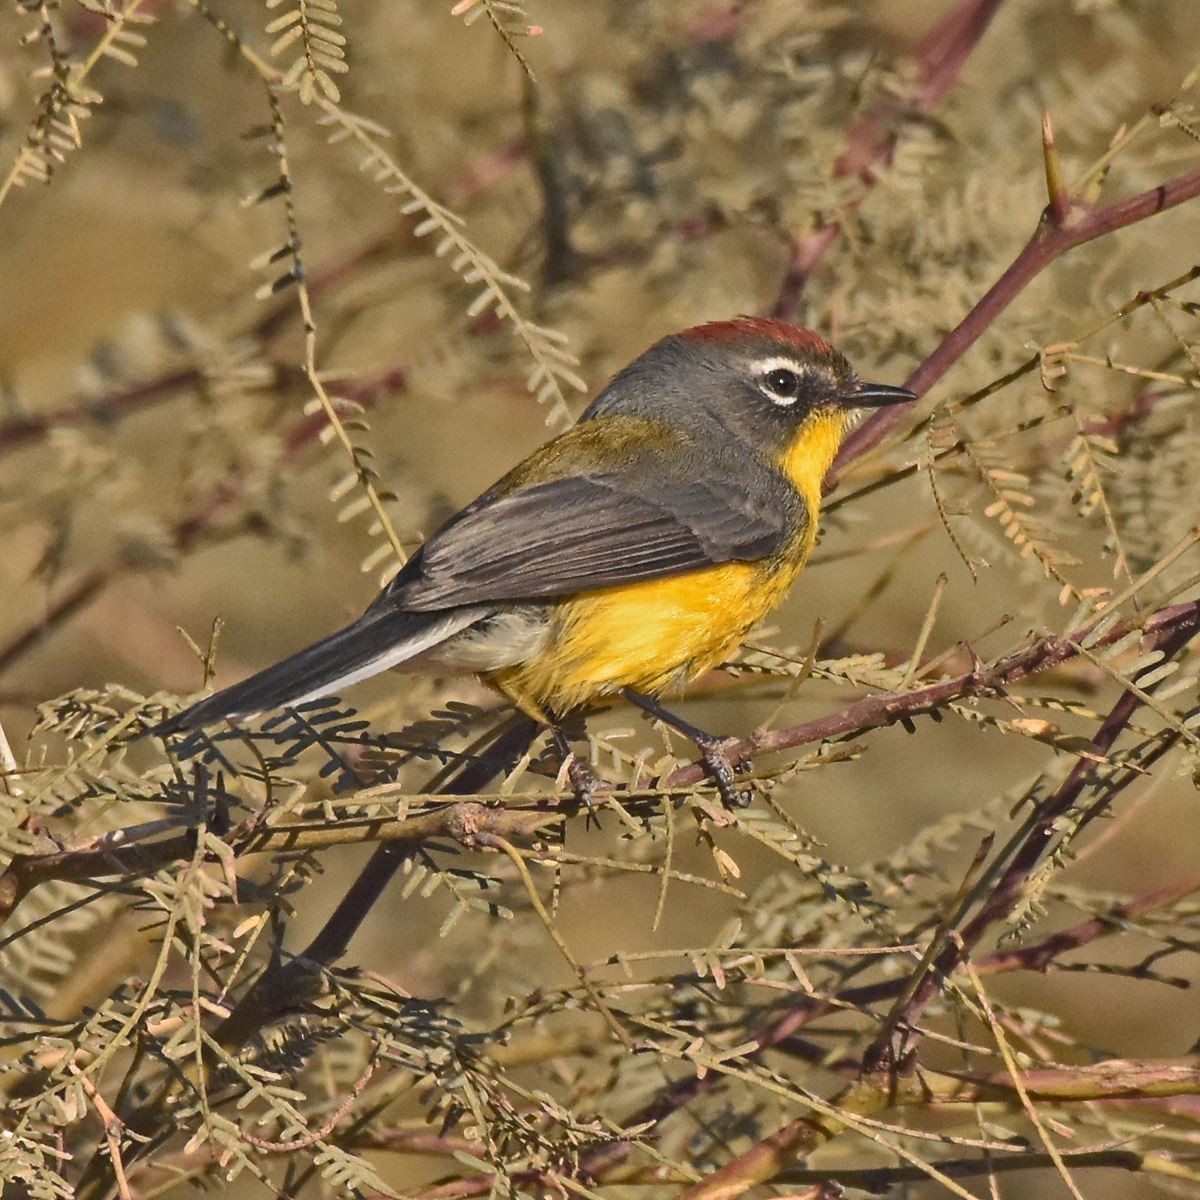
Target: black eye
[(782, 385)]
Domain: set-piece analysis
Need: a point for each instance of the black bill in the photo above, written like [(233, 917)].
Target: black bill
[(878, 395)]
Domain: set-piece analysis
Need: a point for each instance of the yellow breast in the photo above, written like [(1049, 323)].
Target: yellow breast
[(663, 633), (649, 636)]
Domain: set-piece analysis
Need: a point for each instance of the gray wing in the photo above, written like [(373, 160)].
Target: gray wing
[(584, 532)]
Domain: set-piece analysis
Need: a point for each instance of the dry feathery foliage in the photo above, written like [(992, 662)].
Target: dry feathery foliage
[(252, 340)]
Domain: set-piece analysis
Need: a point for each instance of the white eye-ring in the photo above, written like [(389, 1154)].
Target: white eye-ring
[(780, 379)]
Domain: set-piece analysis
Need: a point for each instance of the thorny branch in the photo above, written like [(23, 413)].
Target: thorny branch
[(882, 709), (872, 140), (881, 1080), (1055, 236), (115, 853), (894, 1048)]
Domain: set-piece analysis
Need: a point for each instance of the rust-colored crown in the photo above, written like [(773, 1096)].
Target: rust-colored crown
[(741, 328)]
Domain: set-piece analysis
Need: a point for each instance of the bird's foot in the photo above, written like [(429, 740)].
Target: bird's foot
[(580, 776), (714, 751), (583, 783), (715, 755)]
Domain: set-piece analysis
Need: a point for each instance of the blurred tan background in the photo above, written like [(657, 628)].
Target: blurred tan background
[(685, 161)]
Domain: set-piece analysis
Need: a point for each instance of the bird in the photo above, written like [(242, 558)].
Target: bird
[(627, 556)]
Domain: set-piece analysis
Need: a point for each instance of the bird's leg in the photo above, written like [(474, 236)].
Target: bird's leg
[(582, 779), (579, 774), (711, 747)]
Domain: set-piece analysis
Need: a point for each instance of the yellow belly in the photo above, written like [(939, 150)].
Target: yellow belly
[(663, 633), (649, 636)]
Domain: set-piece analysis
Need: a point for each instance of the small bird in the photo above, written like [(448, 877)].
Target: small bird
[(629, 555)]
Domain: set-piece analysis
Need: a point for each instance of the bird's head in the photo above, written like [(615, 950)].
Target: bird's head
[(779, 388)]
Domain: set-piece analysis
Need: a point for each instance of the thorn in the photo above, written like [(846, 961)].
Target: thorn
[(976, 661), (1056, 181)]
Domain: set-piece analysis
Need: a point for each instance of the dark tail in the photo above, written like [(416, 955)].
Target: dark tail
[(375, 642)]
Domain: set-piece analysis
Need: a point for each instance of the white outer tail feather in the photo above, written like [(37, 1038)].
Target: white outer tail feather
[(402, 652)]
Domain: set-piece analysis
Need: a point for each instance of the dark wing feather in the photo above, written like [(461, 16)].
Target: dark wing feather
[(589, 531)]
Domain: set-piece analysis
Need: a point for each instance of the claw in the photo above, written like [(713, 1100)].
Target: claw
[(580, 776), (583, 783), (712, 750), (716, 761)]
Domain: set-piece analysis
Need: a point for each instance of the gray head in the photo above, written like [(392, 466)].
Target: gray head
[(766, 382)]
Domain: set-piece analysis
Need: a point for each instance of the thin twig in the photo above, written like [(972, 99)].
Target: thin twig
[(315, 1135), (1005, 894), (871, 143), (518, 861), (114, 1128), (1054, 237), (1010, 1065)]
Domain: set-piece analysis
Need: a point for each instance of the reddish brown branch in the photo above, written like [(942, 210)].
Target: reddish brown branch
[(110, 854), (1050, 240), (77, 597), (872, 139), (21, 431), (887, 708), (203, 519), (1037, 956), (1006, 894)]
